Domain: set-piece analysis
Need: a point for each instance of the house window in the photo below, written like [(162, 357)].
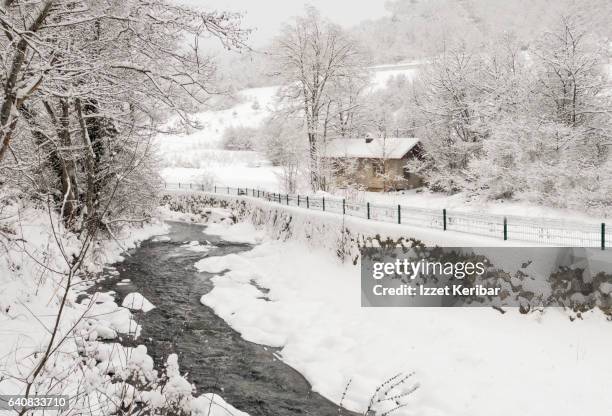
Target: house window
[(407, 173), (378, 167)]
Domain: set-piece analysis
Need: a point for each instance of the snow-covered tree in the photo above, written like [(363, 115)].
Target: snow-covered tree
[(238, 138), (87, 84), (85, 87), (570, 77), (391, 111), (281, 139), (547, 142), (449, 99), (312, 54)]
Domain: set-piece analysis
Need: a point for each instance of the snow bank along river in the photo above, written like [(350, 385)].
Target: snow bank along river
[(301, 300), (217, 359)]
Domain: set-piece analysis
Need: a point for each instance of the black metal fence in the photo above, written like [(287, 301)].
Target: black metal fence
[(546, 231)]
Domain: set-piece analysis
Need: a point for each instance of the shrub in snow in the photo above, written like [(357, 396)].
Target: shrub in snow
[(238, 138), (207, 179), (281, 140), (174, 394), (126, 383), (390, 396)]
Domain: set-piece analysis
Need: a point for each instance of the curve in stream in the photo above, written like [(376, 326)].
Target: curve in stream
[(217, 359)]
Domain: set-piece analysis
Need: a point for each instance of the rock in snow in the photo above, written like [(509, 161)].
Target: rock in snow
[(136, 301), (211, 404)]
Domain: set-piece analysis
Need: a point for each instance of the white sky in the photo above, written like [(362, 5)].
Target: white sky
[(267, 16)]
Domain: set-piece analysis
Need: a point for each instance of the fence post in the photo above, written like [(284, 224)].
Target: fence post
[(228, 190), (189, 185), (505, 228), (603, 235), (343, 206), (287, 199), (179, 185), (323, 203), (307, 202), (298, 200), (368, 205), (215, 188), (399, 214), (165, 185), (444, 218)]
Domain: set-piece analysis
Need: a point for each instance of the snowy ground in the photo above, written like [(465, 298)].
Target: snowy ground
[(463, 203), (198, 157), (32, 287), (471, 361)]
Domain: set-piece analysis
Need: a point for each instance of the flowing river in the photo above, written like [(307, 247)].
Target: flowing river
[(247, 375)]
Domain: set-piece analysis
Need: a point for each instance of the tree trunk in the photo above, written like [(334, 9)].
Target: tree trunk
[(90, 169), (68, 174), (8, 119), (54, 159), (314, 165)]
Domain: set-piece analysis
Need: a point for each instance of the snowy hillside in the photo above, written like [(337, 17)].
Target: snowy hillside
[(198, 156)]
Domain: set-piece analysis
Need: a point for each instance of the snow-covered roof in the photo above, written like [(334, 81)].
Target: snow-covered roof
[(378, 148)]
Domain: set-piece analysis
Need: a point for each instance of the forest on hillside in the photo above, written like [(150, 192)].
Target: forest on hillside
[(420, 28), (416, 29)]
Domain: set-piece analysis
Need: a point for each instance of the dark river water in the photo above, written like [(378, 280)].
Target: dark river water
[(216, 358)]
